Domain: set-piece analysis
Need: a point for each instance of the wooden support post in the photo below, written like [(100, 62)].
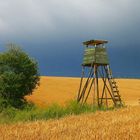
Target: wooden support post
[(107, 87), (103, 91), (81, 81), (97, 85), (85, 86), (89, 90)]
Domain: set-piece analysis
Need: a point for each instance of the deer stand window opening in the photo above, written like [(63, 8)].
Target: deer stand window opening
[(97, 84)]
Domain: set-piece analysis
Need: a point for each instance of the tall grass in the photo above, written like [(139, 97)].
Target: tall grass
[(55, 111)]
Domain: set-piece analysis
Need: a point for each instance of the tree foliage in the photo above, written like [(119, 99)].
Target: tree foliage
[(18, 75)]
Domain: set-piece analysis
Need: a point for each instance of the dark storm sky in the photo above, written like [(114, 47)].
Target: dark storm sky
[(52, 31)]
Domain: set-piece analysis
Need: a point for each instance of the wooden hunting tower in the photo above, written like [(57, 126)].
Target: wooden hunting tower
[(96, 65)]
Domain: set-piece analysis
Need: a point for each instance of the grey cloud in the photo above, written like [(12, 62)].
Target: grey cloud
[(52, 31), (53, 19)]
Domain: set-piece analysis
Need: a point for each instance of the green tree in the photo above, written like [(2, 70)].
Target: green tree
[(18, 76)]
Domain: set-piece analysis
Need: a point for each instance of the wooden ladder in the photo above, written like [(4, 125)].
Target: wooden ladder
[(114, 88)]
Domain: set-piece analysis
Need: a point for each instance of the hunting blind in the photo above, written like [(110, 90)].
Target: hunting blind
[(96, 69)]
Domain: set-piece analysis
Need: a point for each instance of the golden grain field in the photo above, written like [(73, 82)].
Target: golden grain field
[(122, 124), (119, 124), (62, 89)]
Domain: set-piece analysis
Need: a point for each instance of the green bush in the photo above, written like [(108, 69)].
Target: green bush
[(75, 108), (33, 113), (18, 76), (3, 104)]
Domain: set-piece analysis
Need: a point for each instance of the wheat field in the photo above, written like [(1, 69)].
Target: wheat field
[(122, 124), (62, 89), (118, 124)]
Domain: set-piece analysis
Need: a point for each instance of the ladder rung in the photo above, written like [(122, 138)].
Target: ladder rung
[(116, 96), (117, 99), (115, 86), (116, 91), (105, 98), (113, 82)]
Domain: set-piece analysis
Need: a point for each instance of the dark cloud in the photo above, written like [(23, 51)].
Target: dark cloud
[(32, 19), (53, 30)]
